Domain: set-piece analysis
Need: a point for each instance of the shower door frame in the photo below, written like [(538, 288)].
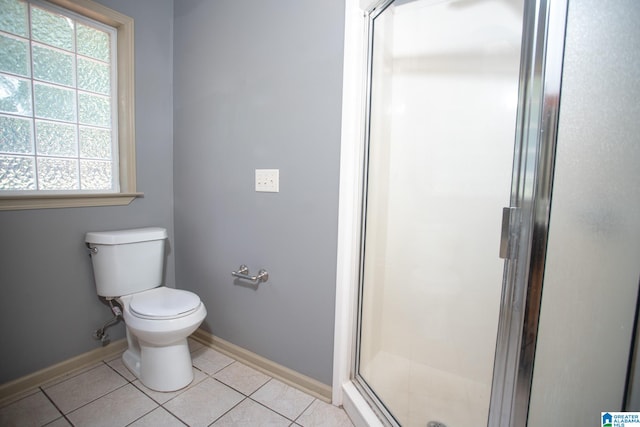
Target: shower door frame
[(536, 128)]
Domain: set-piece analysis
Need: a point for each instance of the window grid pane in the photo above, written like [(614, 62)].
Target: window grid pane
[(14, 55), (53, 65), (95, 143), (58, 174), (54, 102), (16, 135), (17, 173), (95, 174), (93, 43), (94, 76), (13, 18), (16, 97), (94, 110), (56, 139), (52, 29), (64, 139)]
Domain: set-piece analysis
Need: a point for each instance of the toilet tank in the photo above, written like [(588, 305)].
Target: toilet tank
[(127, 261)]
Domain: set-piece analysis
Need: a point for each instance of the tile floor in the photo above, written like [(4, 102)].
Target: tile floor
[(224, 392)]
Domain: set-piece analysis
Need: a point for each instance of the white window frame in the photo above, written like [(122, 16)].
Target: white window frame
[(125, 122)]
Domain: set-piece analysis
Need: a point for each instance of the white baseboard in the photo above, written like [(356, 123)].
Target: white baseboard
[(282, 373), (14, 389)]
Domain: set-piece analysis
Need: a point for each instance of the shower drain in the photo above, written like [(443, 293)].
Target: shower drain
[(436, 424)]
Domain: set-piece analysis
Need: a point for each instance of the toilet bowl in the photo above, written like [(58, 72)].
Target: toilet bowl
[(158, 325), (127, 267)]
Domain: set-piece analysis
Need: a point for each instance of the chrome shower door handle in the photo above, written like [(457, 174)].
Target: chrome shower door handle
[(506, 238)]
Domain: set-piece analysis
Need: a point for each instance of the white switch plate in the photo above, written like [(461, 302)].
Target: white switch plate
[(268, 180)]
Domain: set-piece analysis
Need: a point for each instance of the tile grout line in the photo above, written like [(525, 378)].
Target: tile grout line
[(97, 398), (159, 404), (304, 410), (278, 413), (117, 372), (54, 405), (245, 396), (69, 375), (129, 382), (174, 415), (190, 386), (229, 410), (145, 414), (97, 365), (248, 396)]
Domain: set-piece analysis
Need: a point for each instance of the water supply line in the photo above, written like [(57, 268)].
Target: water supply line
[(101, 334)]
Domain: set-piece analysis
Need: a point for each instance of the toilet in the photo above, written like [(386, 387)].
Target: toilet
[(128, 268)]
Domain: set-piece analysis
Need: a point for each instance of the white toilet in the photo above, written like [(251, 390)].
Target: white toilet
[(128, 267)]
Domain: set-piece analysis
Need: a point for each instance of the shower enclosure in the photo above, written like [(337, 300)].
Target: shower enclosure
[(454, 135), (454, 100), (443, 98)]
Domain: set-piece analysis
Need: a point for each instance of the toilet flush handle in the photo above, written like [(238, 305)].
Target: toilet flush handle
[(92, 250)]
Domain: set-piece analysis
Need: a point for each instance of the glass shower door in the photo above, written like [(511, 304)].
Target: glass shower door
[(443, 95)]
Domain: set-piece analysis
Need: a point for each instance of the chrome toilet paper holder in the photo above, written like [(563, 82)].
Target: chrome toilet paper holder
[(243, 273)]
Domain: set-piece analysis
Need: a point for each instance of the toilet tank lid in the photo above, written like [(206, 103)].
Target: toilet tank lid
[(119, 237)]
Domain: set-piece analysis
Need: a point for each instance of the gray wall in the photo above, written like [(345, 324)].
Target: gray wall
[(49, 307), (258, 85)]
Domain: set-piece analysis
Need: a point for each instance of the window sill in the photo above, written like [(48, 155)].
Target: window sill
[(66, 201)]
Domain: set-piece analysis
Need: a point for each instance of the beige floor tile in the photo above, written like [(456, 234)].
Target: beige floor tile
[(283, 399), (68, 375), (204, 403), (118, 365), (162, 397), (251, 414), (194, 345), (118, 408), (210, 361), (321, 414), (82, 389), (101, 396), (159, 417), (242, 378), (34, 409), (60, 422), (7, 400)]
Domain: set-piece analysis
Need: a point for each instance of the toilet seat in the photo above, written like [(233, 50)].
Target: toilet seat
[(163, 303)]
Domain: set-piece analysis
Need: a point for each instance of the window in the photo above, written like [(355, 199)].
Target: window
[(66, 105)]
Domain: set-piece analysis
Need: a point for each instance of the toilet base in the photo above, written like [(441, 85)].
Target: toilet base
[(151, 365)]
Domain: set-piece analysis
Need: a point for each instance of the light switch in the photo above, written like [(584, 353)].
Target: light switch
[(268, 180)]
